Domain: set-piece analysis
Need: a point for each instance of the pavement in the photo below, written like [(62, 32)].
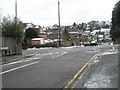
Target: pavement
[(8, 59), (26, 54)]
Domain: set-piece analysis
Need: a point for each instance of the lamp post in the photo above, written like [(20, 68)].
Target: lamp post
[(16, 26), (59, 23)]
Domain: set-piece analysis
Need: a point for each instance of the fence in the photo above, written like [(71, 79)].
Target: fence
[(8, 45)]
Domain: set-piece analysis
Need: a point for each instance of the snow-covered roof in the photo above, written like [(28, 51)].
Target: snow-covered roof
[(94, 31), (87, 31), (73, 32), (104, 30), (37, 38), (101, 36), (36, 26)]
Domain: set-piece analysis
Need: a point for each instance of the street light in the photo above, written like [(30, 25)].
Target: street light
[(16, 25), (59, 23)]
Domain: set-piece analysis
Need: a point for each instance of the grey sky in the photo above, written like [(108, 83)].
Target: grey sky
[(44, 12)]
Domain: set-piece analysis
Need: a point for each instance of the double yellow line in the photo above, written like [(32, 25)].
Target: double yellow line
[(80, 71)]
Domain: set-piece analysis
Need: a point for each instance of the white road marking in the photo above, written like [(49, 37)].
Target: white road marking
[(46, 53), (109, 53), (26, 60), (18, 67), (60, 55)]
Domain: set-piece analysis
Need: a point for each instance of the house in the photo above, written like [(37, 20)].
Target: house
[(37, 41), (52, 34), (41, 41), (40, 31), (102, 35), (29, 25), (74, 36)]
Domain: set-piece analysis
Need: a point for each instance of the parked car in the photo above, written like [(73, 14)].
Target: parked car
[(86, 43), (93, 43)]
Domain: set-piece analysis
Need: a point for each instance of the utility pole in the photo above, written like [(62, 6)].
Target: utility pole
[(59, 23), (16, 27)]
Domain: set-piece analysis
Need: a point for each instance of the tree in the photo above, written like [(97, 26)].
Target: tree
[(29, 34), (65, 35), (115, 29), (0, 26), (9, 28), (83, 26), (74, 24)]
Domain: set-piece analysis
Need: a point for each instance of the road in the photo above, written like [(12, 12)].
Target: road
[(106, 74), (50, 67)]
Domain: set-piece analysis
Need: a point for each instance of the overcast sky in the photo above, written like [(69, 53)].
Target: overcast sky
[(44, 12)]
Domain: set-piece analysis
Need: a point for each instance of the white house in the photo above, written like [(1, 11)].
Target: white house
[(38, 41), (41, 41)]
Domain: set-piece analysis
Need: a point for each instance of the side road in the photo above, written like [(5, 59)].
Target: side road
[(8, 59)]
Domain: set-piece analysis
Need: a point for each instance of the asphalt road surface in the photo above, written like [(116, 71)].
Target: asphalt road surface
[(50, 67)]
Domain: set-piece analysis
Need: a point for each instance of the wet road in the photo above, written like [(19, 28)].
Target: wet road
[(50, 68)]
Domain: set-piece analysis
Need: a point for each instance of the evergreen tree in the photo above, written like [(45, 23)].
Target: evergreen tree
[(29, 34), (74, 24), (65, 35), (115, 29)]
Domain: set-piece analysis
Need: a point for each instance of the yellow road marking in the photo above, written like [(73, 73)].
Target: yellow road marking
[(81, 76), (76, 75)]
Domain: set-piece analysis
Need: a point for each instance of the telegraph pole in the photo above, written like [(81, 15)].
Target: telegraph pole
[(59, 23), (16, 26)]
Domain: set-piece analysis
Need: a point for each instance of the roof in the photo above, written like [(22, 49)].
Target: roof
[(37, 38), (101, 36), (73, 32), (102, 30), (36, 26)]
